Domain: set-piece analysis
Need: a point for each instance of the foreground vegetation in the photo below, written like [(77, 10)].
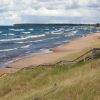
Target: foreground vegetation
[(74, 82)]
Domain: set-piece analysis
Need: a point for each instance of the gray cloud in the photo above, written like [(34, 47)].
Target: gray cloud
[(69, 11)]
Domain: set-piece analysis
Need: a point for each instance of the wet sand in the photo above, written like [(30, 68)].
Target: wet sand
[(59, 52)]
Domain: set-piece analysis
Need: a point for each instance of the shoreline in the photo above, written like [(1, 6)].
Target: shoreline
[(57, 53), (45, 51)]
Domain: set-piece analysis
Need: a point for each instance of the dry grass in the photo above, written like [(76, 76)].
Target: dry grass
[(77, 82)]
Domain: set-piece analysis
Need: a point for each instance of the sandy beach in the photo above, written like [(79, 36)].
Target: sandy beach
[(59, 52)]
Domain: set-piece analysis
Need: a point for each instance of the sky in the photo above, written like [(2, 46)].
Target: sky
[(49, 11)]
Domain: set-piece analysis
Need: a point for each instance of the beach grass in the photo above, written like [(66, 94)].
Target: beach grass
[(75, 55), (74, 82)]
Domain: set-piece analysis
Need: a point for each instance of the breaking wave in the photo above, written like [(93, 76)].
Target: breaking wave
[(22, 38)]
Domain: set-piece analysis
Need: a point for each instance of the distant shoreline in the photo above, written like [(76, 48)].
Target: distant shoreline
[(30, 24)]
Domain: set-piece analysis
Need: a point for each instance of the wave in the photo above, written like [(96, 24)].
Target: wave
[(6, 50), (8, 34), (5, 34), (46, 39), (27, 46), (22, 42), (98, 31), (22, 38), (57, 31), (36, 36), (47, 32), (16, 29), (75, 32), (42, 51), (11, 34), (26, 32), (68, 30), (38, 40), (31, 29), (72, 33)]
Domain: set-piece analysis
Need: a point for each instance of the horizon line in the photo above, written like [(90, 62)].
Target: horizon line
[(49, 24)]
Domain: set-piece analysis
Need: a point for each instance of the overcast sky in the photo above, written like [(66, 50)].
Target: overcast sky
[(49, 11)]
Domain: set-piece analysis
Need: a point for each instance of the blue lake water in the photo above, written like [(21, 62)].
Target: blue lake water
[(20, 41)]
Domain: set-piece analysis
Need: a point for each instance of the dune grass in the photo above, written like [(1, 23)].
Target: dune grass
[(75, 82), (75, 55)]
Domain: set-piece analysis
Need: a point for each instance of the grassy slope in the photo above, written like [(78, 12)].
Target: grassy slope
[(78, 82), (75, 55)]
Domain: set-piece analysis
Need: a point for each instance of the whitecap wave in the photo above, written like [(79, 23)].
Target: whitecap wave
[(6, 50), (43, 39), (21, 42), (26, 32), (16, 29), (98, 31), (26, 46), (42, 51), (47, 32), (68, 30), (11, 34), (57, 31), (72, 33), (23, 38), (31, 29)]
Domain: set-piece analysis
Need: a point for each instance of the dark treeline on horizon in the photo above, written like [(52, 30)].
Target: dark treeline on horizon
[(31, 24)]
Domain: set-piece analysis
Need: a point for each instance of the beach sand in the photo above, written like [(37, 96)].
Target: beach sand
[(59, 52)]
